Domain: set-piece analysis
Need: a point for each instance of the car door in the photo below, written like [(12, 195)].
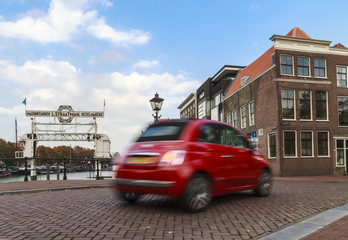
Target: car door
[(241, 163), (215, 155)]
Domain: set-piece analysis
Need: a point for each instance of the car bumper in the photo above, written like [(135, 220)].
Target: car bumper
[(144, 183), (163, 181)]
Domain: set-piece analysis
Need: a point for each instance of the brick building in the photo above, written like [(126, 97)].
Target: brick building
[(293, 101), (188, 108)]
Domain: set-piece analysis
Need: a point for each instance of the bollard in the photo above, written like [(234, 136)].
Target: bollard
[(64, 177), (48, 172), (26, 169), (97, 177), (57, 171)]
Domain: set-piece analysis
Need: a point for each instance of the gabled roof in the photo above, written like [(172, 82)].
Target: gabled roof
[(260, 65), (339, 45), (298, 32), (253, 70)]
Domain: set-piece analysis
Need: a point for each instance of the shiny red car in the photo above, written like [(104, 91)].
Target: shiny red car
[(194, 160)]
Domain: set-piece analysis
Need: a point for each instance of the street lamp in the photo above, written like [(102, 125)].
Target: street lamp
[(156, 104)]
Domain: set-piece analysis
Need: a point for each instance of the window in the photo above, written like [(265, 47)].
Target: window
[(288, 104), (290, 144), (303, 66), (201, 110), (234, 118), (252, 113), (305, 104), (273, 59), (306, 144), (343, 111), (321, 105), (286, 63), (319, 67), (243, 116), (323, 144), (229, 118), (272, 145), (342, 76)]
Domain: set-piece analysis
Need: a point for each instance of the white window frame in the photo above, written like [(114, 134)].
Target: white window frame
[(293, 66), (296, 155), (307, 131), (344, 152), (229, 118), (251, 120), (338, 116), (310, 105), (281, 97), (242, 125), (328, 144), (234, 118), (268, 148), (346, 76), (309, 67), (325, 68)]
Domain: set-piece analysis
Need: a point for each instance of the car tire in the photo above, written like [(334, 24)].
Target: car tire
[(198, 193), (264, 185), (129, 197)]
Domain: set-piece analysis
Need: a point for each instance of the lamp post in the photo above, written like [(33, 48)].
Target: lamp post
[(156, 104)]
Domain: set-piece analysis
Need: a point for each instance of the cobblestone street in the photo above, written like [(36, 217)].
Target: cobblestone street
[(97, 214)]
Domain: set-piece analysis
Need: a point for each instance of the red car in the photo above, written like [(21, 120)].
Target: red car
[(194, 160)]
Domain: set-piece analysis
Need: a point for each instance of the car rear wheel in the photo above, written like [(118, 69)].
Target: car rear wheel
[(129, 197), (264, 185), (198, 193)]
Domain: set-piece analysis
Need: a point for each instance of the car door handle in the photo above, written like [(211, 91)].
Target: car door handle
[(227, 156)]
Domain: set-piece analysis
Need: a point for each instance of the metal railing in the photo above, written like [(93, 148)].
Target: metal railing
[(58, 161)]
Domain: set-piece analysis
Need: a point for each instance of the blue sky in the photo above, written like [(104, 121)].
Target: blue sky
[(78, 53)]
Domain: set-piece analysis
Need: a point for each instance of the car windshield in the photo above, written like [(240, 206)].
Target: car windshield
[(163, 131)]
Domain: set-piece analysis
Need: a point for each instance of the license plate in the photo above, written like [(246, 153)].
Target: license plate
[(141, 160)]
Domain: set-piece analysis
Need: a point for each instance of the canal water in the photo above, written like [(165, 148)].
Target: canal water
[(88, 175)]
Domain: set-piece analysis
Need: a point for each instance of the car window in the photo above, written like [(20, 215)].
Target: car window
[(221, 134), (233, 138), (162, 131), (209, 133)]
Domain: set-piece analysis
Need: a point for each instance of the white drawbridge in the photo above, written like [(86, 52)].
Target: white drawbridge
[(64, 130)]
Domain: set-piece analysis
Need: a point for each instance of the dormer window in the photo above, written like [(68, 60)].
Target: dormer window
[(244, 79)]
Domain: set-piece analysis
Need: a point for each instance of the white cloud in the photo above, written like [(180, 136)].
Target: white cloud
[(146, 64), (48, 84), (64, 20)]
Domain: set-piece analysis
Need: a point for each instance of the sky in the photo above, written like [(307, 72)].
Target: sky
[(82, 52)]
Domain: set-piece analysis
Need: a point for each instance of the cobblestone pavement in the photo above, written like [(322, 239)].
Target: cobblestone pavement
[(98, 214)]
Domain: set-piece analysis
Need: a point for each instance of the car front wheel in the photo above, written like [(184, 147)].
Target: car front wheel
[(129, 196), (198, 193), (264, 185)]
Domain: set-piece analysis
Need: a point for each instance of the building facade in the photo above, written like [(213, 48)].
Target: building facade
[(188, 108), (293, 101)]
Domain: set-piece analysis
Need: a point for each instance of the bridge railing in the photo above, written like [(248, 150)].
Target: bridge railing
[(60, 165)]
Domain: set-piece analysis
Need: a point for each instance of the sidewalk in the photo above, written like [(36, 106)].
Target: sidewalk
[(331, 224)]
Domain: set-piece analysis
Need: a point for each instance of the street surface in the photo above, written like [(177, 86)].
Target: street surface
[(96, 213)]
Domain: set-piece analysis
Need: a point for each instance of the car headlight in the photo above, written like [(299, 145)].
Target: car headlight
[(173, 158)]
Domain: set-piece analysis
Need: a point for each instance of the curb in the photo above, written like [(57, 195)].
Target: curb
[(310, 225), (12, 192)]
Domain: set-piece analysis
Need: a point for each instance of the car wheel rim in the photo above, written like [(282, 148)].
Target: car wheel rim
[(199, 197), (265, 185)]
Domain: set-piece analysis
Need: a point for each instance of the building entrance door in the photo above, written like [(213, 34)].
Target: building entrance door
[(342, 153)]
